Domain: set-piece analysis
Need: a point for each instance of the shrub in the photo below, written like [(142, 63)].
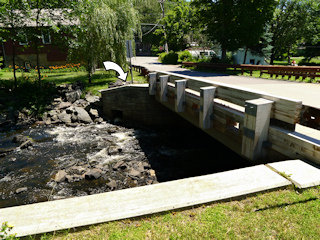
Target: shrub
[(185, 56), (169, 58)]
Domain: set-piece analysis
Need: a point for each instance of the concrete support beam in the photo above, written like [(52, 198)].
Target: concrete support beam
[(255, 127), (164, 88), (206, 106), (152, 83), (180, 95)]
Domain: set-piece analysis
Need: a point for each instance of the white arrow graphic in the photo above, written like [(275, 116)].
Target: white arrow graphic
[(108, 65)]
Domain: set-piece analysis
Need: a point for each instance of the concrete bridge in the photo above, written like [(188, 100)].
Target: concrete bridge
[(258, 126)]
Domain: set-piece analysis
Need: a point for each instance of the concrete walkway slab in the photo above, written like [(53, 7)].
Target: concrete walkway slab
[(302, 174), (74, 212)]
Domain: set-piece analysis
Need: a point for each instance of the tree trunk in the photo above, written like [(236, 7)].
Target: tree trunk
[(38, 63), (223, 53), (245, 56), (14, 63), (289, 58)]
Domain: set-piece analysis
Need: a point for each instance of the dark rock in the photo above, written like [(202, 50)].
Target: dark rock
[(20, 139), (73, 96), (60, 176), (74, 178), (93, 174), (20, 190), (26, 144)]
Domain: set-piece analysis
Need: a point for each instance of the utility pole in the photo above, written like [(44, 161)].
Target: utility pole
[(164, 27)]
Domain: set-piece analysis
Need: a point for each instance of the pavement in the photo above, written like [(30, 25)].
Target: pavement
[(98, 208), (309, 93)]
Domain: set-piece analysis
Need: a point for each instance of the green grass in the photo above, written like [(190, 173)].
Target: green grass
[(100, 80), (281, 214)]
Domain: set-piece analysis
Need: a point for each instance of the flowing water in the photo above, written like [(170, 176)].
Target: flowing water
[(173, 154)]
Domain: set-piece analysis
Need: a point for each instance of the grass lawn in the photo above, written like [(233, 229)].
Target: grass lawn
[(100, 80), (281, 214)]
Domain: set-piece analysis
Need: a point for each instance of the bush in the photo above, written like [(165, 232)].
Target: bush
[(169, 58), (185, 56)]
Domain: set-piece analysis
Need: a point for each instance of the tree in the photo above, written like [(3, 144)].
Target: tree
[(312, 36), (289, 25), (12, 20), (178, 26), (104, 26), (234, 23)]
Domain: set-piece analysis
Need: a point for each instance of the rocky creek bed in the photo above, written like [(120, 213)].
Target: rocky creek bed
[(72, 151)]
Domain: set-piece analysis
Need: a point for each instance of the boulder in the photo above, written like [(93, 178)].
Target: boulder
[(64, 105), (64, 117), (73, 95), (20, 139), (112, 184), (93, 174), (134, 173), (60, 176), (79, 114), (20, 190)]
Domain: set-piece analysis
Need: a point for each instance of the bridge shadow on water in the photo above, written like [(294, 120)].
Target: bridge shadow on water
[(188, 152)]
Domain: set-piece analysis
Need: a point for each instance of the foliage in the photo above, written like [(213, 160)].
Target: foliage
[(178, 26), (110, 23), (29, 95), (5, 231), (291, 22), (169, 58), (234, 23), (185, 56)]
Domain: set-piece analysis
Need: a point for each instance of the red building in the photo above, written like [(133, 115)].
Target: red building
[(49, 52)]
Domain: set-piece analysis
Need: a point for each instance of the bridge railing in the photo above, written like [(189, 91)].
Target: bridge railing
[(235, 116)]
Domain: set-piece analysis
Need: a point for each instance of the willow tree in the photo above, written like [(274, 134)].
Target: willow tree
[(104, 26)]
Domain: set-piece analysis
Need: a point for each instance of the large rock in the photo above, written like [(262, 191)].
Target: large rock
[(93, 174), (64, 117), (73, 96), (60, 176), (79, 114), (20, 139)]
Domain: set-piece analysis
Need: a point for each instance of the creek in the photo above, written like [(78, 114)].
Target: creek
[(28, 175)]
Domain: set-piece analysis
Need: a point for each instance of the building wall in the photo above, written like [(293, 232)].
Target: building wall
[(250, 59), (134, 105)]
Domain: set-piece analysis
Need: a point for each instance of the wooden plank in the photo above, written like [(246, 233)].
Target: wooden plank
[(256, 125), (206, 106), (152, 83), (180, 95), (295, 143), (164, 88)]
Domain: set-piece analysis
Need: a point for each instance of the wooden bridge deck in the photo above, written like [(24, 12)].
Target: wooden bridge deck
[(251, 123)]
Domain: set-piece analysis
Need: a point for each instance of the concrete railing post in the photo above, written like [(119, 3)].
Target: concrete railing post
[(164, 88), (255, 127), (152, 83), (180, 95), (206, 106)]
